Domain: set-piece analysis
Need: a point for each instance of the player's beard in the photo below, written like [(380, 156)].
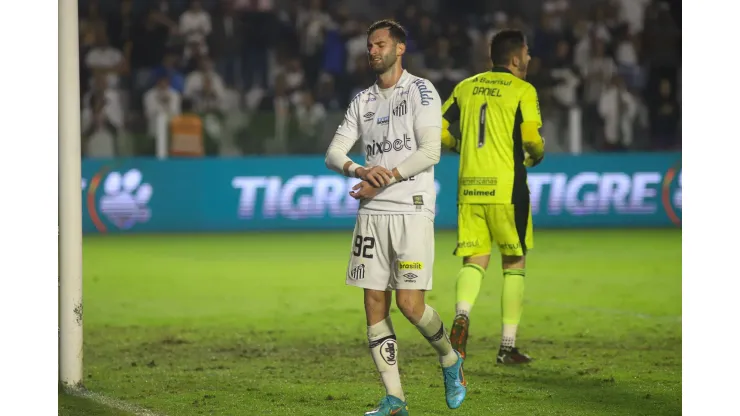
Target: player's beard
[(386, 62), (523, 71)]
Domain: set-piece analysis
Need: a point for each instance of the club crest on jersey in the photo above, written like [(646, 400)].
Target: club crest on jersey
[(400, 109), (368, 116)]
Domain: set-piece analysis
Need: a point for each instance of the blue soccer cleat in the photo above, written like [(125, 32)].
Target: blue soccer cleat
[(455, 384), (390, 406)]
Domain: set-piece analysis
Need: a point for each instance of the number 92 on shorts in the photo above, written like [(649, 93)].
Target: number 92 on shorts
[(392, 251)]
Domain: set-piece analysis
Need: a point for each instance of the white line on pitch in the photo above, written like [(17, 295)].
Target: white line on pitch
[(113, 403)]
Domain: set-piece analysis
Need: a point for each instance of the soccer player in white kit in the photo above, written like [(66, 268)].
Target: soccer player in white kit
[(399, 121)]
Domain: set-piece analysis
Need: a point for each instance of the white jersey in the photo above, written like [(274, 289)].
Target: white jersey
[(389, 129)]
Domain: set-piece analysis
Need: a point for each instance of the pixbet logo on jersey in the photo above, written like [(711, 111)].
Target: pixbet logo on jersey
[(125, 199), (377, 148)]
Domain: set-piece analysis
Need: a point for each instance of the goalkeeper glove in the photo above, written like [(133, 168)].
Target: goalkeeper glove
[(529, 161)]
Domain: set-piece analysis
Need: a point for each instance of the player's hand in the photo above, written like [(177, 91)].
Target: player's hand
[(531, 162), (363, 190), (377, 176)]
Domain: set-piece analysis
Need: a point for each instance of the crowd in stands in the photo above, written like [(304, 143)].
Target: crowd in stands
[(295, 63)]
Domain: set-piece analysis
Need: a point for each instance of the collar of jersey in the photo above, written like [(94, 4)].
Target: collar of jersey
[(501, 69), (401, 82)]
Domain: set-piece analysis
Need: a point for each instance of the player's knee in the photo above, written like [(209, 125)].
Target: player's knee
[(481, 260), (377, 304), (411, 304), (512, 262)]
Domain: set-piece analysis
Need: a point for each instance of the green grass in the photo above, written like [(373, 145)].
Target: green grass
[(262, 324)]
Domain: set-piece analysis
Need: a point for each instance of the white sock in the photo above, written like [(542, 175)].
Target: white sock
[(509, 336), (463, 308), (430, 325), (384, 349)]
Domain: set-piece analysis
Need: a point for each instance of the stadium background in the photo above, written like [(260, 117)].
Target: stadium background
[(270, 79)]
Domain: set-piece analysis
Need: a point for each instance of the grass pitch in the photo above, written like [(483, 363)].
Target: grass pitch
[(262, 324)]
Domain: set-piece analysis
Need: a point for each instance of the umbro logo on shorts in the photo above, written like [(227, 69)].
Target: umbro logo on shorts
[(410, 277)]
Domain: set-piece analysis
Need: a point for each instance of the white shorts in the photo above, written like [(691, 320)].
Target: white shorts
[(392, 251)]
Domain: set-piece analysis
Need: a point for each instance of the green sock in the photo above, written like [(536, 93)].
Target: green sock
[(512, 303), (469, 280)]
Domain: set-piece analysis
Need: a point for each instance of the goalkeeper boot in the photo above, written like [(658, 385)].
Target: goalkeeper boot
[(455, 384), (390, 406), (459, 334), (512, 355)]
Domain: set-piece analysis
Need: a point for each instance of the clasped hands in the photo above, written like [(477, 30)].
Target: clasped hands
[(372, 180)]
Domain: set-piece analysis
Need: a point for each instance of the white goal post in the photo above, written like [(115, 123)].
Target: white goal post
[(70, 200)]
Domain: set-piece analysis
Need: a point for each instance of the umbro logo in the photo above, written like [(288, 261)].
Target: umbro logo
[(410, 276), (368, 116)]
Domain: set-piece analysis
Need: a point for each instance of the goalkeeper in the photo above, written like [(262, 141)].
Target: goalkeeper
[(499, 120)]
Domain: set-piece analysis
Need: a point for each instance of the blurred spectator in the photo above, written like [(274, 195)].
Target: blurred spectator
[(108, 100), (597, 72), (120, 28), (105, 59), (312, 23), (459, 44), (195, 26), (616, 61), (443, 69), (327, 94), (618, 108), (626, 57), (91, 21), (169, 69), (102, 119), (226, 43), (294, 78), (425, 36), (149, 43), (311, 116), (565, 81), (205, 88), (665, 117), (281, 108), (632, 13), (161, 100), (260, 22), (356, 45)]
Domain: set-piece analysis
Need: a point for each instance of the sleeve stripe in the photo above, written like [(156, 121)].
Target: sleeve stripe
[(453, 112)]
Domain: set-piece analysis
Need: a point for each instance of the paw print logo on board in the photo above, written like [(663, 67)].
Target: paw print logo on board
[(125, 199)]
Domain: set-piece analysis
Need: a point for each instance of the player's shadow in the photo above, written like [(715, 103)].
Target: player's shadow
[(589, 389)]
